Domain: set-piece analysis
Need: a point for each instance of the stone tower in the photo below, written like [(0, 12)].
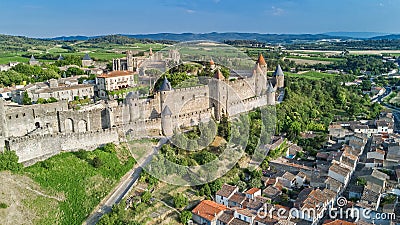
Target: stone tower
[(132, 101), (270, 94), (279, 77), (3, 126), (164, 90), (129, 60), (166, 122), (212, 64), (217, 94), (260, 80), (263, 65)]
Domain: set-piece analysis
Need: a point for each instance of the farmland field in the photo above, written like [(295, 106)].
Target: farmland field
[(312, 75)]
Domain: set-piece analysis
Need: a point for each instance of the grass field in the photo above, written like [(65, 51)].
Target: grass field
[(82, 184), (315, 58), (310, 75)]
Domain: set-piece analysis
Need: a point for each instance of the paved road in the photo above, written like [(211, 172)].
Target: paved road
[(380, 98), (122, 189)]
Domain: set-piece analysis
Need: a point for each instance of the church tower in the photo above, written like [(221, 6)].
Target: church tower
[(129, 60)]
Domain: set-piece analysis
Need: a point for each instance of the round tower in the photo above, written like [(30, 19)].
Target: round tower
[(164, 90), (216, 94), (260, 80), (270, 94), (166, 122), (3, 126), (212, 64), (279, 77), (263, 65)]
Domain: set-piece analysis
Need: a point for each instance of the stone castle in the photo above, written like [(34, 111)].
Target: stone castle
[(37, 132)]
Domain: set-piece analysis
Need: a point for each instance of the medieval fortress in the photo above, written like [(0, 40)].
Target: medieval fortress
[(37, 132)]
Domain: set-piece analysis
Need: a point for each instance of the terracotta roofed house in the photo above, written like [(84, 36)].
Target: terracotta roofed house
[(112, 81), (207, 212), (225, 193)]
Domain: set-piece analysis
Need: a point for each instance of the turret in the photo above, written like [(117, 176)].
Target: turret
[(217, 94), (166, 121), (3, 126), (260, 80), (263, 65), (212, 64), (134, 106), (164, 90), (270, 94), (279, 77)]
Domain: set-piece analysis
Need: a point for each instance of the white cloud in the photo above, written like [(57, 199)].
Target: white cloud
[(190, 11), (277, 11)]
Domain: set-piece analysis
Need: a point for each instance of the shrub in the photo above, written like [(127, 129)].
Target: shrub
[(82, 154), (185, 217), (9, 161), (110, 148), (97, 163), (3, 205), (146, 196), (180, 200)]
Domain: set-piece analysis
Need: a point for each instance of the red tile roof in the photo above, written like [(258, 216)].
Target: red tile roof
[(252, 191), (339, 222), (116, 74), (208, 209)]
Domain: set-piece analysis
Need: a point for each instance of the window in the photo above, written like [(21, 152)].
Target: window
[(183, 97)]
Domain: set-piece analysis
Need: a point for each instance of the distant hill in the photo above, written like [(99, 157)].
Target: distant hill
[(357, 35), (72, 38), (268, 38), (214, 36), (387, 37)]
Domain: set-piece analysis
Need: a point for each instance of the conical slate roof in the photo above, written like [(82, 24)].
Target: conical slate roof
[(166, 111), (166, 85), (270, 88), (278, 71), (261, 60), (86, 57), (218, 75), (60, 57)]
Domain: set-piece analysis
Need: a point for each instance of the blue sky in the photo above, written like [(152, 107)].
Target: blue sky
[(49, 18)]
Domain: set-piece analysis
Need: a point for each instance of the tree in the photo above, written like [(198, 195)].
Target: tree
[(9, 161), (72, 71), (146, 196), (185, 217), (180, 200), (26, 100)]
